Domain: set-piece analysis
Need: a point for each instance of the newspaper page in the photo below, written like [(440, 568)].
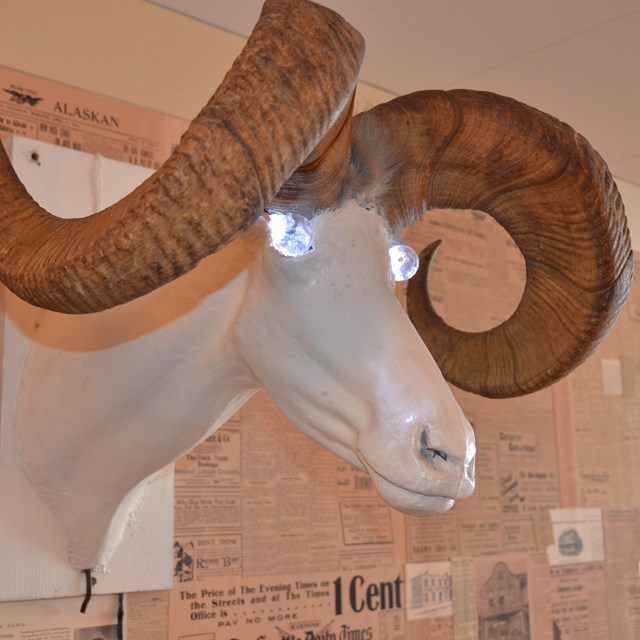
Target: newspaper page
[(361, 605), (568, 471), (568, 582), (605, 406), (476, 281), (147, 615), (622, 555), (45, 110), (60, 619)]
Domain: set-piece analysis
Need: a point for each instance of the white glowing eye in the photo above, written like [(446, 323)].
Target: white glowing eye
[(291, 234), (404, 261)]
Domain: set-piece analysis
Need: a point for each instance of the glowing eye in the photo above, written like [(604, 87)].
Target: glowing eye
[(404, 261), (291, 234)]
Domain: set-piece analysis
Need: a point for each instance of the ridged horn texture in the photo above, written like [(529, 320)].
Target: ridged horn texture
[(551, 192), (293, 81), (320, 181)]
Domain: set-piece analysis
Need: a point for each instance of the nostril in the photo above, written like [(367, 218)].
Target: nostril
[(428, 452)]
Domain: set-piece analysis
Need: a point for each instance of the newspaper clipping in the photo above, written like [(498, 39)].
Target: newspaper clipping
[(364, 605), (60, 619), (44, 110)]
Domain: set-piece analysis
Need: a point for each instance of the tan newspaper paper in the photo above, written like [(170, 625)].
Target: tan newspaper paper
[(60, 619), (259, 498), (362, 605), (59, 114), (428, 590)]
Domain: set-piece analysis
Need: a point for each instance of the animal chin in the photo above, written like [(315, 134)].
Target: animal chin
[(405, 500)]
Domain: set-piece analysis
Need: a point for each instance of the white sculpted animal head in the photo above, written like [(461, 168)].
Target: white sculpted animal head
[(321, 332), (324, 334)]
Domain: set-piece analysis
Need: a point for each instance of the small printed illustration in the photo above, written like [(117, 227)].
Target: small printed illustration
[(557, 632), (570, 543), (183, 561), (429, 590), (22, 98), (503, 606), (578, 535), (105, 632)]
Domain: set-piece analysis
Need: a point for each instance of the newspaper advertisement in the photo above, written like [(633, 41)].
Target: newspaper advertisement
[(45, 110), (362, 605), (622, 547), (475, 282), (605, 405), (60, 619), (578, 536), (579, 601)]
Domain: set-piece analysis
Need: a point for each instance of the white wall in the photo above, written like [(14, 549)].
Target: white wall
[(127, 49)]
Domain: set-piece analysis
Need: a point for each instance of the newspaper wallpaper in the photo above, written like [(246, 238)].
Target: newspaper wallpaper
[(278, 539)]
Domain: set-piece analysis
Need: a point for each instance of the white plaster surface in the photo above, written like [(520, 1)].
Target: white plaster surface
[(33, 555)]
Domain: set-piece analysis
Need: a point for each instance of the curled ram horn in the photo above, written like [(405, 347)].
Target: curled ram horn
[(550, 191), (291, 86)]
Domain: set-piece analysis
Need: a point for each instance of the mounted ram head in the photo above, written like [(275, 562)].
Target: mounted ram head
[(321, 332)]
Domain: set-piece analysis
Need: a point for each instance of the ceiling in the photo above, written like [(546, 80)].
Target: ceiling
[(577, 60)]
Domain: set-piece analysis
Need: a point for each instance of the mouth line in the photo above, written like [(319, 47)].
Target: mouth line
[(375, 474)]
